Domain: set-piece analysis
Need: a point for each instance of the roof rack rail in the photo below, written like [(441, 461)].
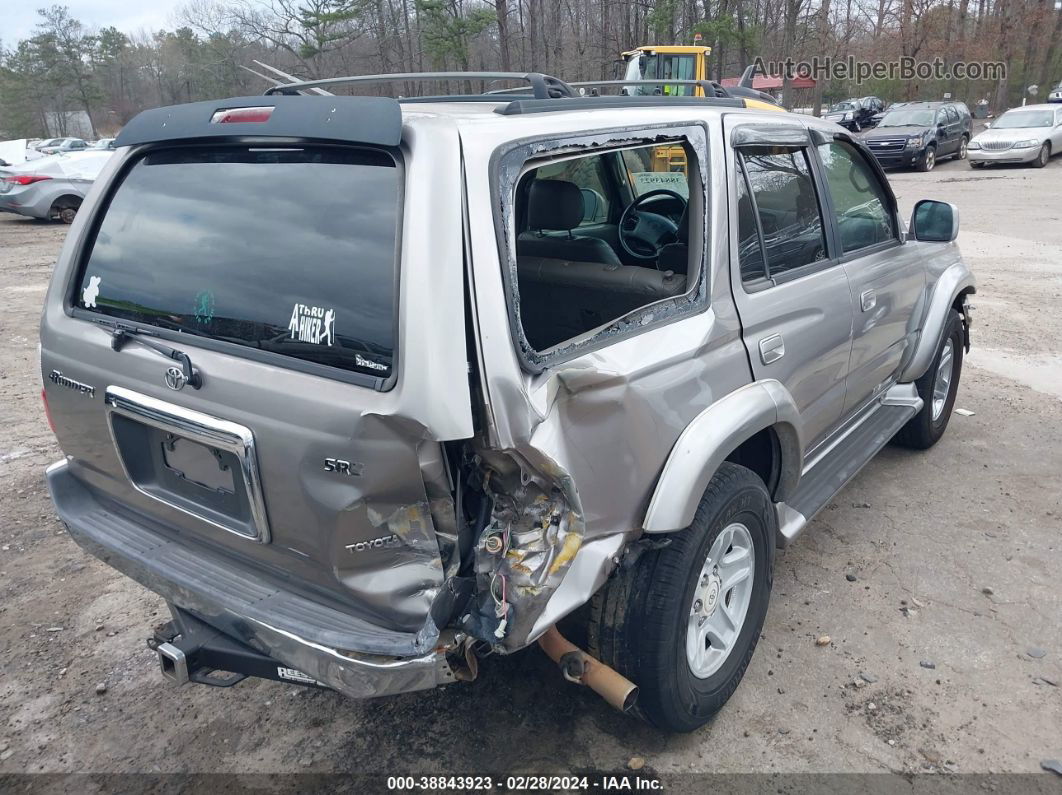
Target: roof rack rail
[(541, 85), (523, 106), (710, 87)]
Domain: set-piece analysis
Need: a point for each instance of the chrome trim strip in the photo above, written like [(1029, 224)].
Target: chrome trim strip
[(198, 427)]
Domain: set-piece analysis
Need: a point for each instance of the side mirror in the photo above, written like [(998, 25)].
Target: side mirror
[(940, 127), (935, 222)]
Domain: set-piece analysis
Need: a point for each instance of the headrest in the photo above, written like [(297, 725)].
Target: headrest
[(554, 204)]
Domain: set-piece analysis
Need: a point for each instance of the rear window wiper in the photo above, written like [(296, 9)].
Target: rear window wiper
[(121, 334)]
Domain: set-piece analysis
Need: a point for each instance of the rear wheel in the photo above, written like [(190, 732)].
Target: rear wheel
[(682, 623), (963, 148), (1042, 156), (65, 209), (937, 388)]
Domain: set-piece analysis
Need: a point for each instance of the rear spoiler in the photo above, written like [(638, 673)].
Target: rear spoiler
[(376, 121)]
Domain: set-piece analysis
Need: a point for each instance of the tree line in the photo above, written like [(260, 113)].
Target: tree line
[(112, 74)]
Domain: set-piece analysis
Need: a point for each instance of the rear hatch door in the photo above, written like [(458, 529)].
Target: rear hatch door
[(259, 343)]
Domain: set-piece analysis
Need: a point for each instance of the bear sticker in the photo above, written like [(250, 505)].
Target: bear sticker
[(90, 293)]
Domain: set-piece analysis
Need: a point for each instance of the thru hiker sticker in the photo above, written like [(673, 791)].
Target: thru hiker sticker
[(313, 324)]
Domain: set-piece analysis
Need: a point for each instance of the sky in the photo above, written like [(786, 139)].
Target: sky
[(19, 17)]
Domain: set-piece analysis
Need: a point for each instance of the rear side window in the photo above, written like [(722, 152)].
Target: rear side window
[(290, 251)]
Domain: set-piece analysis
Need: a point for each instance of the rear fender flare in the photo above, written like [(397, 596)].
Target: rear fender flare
[(711, 437), (955, 281)]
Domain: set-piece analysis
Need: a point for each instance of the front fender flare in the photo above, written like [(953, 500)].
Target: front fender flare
[(711, 437), (953, 282)]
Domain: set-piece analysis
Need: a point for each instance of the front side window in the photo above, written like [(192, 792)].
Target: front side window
[(787, 206), (860, 200), (575, 282), (286, 250)]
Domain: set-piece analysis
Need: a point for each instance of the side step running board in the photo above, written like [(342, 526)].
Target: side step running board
[(830, 473)]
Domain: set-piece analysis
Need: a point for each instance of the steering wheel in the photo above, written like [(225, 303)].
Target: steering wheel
[(642, 233)]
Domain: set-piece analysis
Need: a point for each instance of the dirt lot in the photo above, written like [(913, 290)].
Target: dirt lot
[(946, 649)]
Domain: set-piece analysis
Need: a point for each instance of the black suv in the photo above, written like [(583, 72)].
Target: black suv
[(855, 114), (917, 134)]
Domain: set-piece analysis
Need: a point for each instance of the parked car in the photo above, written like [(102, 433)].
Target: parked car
[(51, 187), (855, 114), (360, 408), (63, 145), (918, 134), (102, 143), (1029, 134), (1056, 94)]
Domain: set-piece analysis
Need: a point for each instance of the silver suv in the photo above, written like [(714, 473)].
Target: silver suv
[(366, 389)]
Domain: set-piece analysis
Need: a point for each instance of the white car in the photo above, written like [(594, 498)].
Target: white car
[(1030, 134), (1056, 94), (51, 187)]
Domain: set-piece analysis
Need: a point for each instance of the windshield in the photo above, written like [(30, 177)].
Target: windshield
[(1016, 119), (907, 118), (286, 250), (843, 106), (647, 66)]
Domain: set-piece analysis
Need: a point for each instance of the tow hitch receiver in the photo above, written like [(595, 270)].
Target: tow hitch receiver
[(191, 651)]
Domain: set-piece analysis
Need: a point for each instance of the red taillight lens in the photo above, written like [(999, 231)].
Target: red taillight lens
[(25, 179), (242, 115), (47, 411)]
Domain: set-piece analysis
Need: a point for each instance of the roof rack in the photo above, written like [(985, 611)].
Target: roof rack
[(710, 87), (524, 106), (541, 85)]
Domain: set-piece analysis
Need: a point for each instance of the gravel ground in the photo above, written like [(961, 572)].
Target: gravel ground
[(945, 650)]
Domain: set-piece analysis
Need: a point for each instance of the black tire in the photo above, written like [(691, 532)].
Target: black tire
[(923, 431), (963, 148), (977, 164), (638, 621), (929, 159), (1042, 156)]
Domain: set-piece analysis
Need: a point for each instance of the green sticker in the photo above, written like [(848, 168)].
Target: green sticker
[(204, 306)]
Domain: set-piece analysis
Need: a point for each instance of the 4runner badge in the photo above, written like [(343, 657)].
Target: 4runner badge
[(58, 378)]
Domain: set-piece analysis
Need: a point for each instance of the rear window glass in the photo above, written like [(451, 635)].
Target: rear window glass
[(286, 250)]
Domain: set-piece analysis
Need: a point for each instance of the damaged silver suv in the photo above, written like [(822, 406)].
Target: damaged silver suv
[(367, 388)]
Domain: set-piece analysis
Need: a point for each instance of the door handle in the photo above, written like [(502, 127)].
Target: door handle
[(772, 348), (868, 299)]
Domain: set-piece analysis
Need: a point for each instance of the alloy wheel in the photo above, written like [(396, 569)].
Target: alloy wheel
[(720, 600), (942, 382)]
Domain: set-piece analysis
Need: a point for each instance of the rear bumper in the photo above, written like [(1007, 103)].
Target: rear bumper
[(338, 650), (29, 202)]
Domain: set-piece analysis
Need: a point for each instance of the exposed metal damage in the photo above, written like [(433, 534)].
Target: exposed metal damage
[(535, 528)]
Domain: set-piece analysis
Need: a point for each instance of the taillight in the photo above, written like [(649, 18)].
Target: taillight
[(242, 115), (25, 179), (47, 411)]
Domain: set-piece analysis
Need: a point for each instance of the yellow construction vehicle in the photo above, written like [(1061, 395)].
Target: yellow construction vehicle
[(680, 62)]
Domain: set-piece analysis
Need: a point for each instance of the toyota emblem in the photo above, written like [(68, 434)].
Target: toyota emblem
[(175, 378)]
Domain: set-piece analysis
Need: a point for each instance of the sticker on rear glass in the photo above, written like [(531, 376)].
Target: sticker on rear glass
[(312, 324), (91, 293), (204, 306)]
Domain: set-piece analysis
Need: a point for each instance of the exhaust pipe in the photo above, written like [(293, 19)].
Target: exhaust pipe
[(579, 667)]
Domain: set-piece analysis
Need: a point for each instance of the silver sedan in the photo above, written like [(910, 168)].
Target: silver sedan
[(1030, 134)]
